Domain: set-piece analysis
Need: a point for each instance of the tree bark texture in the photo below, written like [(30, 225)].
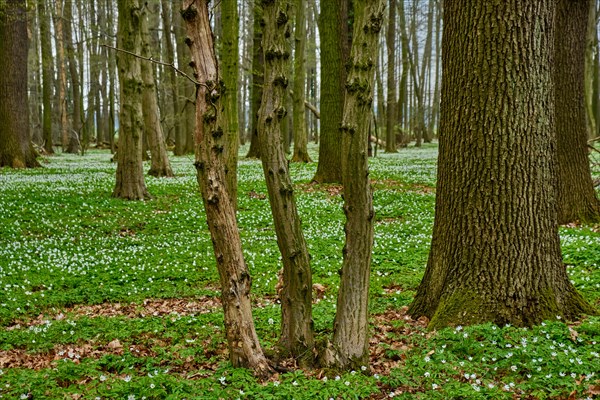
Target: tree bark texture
[(130, 183), (351, 326), (230, 21), (300, 132), (576, 197), (16, 150), (257, 81), (74, 145), (244, 347), (296, 295), (495, 253), (333, 28), (46, 76), (159, 160)]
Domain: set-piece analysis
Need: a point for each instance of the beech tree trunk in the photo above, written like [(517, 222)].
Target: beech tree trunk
[(74, 145), (130, 183), (351, 326), (495, 253), (244, 347), (46, 76), (576, 196), (257, 81), (390, 132), (296, 295), (333, 29), (16, 150), (159, 160)]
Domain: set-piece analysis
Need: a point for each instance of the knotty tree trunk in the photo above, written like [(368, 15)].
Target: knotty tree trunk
[(130, 183), (495, 253), (576, 196), (244, 347), (350, 348), (159, 161), (296, 295), (333, 28), (16, 150)]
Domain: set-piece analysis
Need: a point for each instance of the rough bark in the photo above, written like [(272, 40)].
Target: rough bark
[(244, 347), (333, 28), (296, 294), (130, 183), (16, 150), (351, 326), (299, 94), (576, 198), (159, 160), (390, 132), (495, 253), (229, 46)]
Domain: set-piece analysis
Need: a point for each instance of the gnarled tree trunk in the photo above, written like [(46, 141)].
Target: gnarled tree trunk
[(244, 347)]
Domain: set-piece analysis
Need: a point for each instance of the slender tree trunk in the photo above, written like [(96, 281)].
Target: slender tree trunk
[(244, 347), (495, 253), (46, 76), (229, 47), (16, 150), (426, 71), (576, 196), (62, 75), (257, 81), (130, 183), (333, 29), (184, 144), (390, 133), (351, 326), (159, 161), (403, 96), (296, 295), (170, 57), (75, 132)]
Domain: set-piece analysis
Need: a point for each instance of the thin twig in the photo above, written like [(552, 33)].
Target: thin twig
[(172, 65)]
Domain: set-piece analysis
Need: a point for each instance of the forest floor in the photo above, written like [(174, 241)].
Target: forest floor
[(102, 298)]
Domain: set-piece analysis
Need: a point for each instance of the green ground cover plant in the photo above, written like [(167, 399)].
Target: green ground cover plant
[(102, 298)]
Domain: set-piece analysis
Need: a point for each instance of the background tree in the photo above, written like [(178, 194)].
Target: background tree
[(296, 294), (576, 197), (130, 175), (257, 81), (159, 161), (244, 347), (76, 123), (47, 68), (351, 327), (299, 96), (390, 132), (495, 253), (16, 150), (230, 46), (333, 28)]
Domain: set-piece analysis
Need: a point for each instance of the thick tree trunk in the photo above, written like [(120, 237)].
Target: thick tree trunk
[(333, 29), (296, 295), (130, 183), (300, 132), (229, 46), (576, 197), (159, 161), (351, 326), (495, 253), (244, 347), (16, 150), (390, 132)]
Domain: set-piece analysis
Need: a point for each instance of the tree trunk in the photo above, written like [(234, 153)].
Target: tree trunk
[(75, 132), (46, 76), (257, 81), (299, 122), (296, 295), (229, 46), (351, 326), (184, 144), (576, 197), (62, 75), (403, 95), (390, 132), (16, 150), (244, 347), (159, 161), (495, 253), (333, 29), (170, 57), (130, 183)]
